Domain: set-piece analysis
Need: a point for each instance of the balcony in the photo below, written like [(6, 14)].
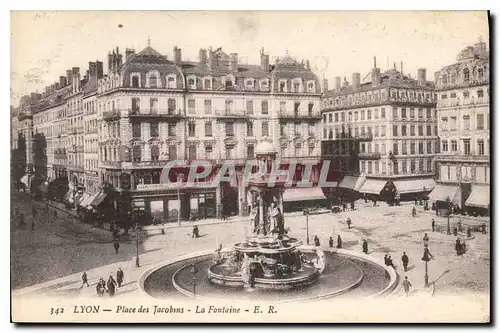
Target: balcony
[(175, 186), (299, 116), (231, 114), (369, 156), (79, 130), (111, 115), (360, 137), (472, 157), (79, 149), (155, 115), (72, 130), (110, 165)]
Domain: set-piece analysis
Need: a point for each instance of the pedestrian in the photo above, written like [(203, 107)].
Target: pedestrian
[(406, 285), (464, 247), (366, 198), (84, 279), (330, 242), (390, 263), (339, 242), (405, 260), (316, 240), (365, 246), (101, 287), (344, 206), (111, 286), (385, 260), (195, 231), (433, 224), (414, 212), (119, 277), (426, 240), (352, 205), (458, 247), (117, 246), (483, 228), (348, 223), (416, 202)]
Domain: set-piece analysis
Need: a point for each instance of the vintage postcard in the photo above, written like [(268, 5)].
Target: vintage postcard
[(250, 166)]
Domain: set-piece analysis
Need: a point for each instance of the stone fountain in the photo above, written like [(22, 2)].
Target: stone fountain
[(268, 258)]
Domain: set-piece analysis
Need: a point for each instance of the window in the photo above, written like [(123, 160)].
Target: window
[(283, 127), (136, 130), (191, 129), (250, 152), (412, 148), (296, 87), (453, 125), (310, 129), (282, 86), (297, 150), (383, 149), (229, 129), (404, 166), (250, 107), (208, 151), (429, 165), (296, 106), (191, 82), (362, 114), (336, 117), (136, 102), (192, 152), (403, 130), (155, 153), (342, 116), (363, 167), (154, 130), (208, 106), (229, 152), (152, 81), (229, 106), (283, 107), (454, 146), (310, 109), (330, 134), (356, 115), (171, 82), (421, 148), (369, 167), (480, 93), (480, 121), (265, 107), (382, 130), (368, 114), (466, 122), (382, 113), (208, 84), (467, 147), (135, 81), (412, 130), (403, 112), (429, 147), (413, 167), (324, 133), (394, 113), (208, 128), (453, 95), (191, 106), (394, 130), (171, 130), (480, 147), (296, 129), (444, 124), (396, 168), (429, 113), (249, 128), (429, 130), (466, 94), (171, 106), (265, 128), (375, 114), (466, 75), (445, 146), (376, 131), (404, 148), (444, 96), (136, 153), (420, 130)]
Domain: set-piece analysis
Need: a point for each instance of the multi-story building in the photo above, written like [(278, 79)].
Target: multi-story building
[(152, 110), (389, 124), (463, 167)]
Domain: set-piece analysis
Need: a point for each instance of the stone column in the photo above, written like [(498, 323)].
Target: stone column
[(241, 196), (262, 231), (218, 200)]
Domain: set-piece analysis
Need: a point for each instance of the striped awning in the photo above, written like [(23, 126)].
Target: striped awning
[(441, 192), (86, 202), (303, 194), (352, 182), (98, 199), (81, 200), (479, 197), (373, 186), (415, 185)]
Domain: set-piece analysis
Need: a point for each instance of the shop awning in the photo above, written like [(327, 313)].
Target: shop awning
[(352, 182), (373, 186), (98, 199), (415, 185), (479, 196), (441, 192), (82, 199), (44, 187), (69, 195), (303, 194), (86, 202)]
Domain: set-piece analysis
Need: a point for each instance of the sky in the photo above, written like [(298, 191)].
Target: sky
[(337, 43)]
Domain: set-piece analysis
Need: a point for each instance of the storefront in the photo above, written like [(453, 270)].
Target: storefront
[(411, 189), (298, 199), (478, 202), (349, 187), (374, 189)]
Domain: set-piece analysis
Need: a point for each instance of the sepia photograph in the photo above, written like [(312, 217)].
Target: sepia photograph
[(250, 167)]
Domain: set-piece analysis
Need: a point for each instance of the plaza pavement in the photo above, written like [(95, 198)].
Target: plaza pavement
[(389, 230)]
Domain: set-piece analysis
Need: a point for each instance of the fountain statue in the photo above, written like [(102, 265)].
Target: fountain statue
[(268, 258)]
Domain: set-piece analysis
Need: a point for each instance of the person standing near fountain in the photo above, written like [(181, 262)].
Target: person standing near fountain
[(316, 240), (330, 242), (254, 219), (339, 242)]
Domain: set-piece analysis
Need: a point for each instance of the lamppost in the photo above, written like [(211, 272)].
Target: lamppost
[(179, 182), (193, 272), (306, 212), (448, 207), (137, 245), (426, 257)]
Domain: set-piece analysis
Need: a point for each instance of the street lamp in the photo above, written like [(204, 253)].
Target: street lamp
[(448, 207), (193, 272), (179, 181), (306, 212), (426, 258), (137, 245)]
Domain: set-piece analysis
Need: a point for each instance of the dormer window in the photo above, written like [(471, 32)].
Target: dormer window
[(153, 81), (297, 86), (207, 83), (171, 82), (264, 84), (249, 83), (135, 80), (191, 81), (282, 86)]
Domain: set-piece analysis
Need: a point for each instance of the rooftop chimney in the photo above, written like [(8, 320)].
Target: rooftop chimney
[(76, 70), (264, 60), (421, 76), (212, 61), (99, 69), (177, 55), (337, 83), (375, 73), (203, 56), (62, 81), (57, 85), (128, 54), (402, 68), (325, 85), (356, 80), (110, 62), (69, 77), (233, 63)]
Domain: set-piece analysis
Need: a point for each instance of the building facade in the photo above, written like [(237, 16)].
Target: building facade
[(390, 125), (463, 167)]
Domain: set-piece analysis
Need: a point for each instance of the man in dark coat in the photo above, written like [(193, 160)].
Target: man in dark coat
[(119, 277), (385, 260), (365, 246), (111, 286), (405, 260), (85, 279), (349, 223), (390, 263), (433, 224), (316, 240), (196, 233), (330, 242), (339, 242), (458, 247), (117, 246), (101, 287)]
